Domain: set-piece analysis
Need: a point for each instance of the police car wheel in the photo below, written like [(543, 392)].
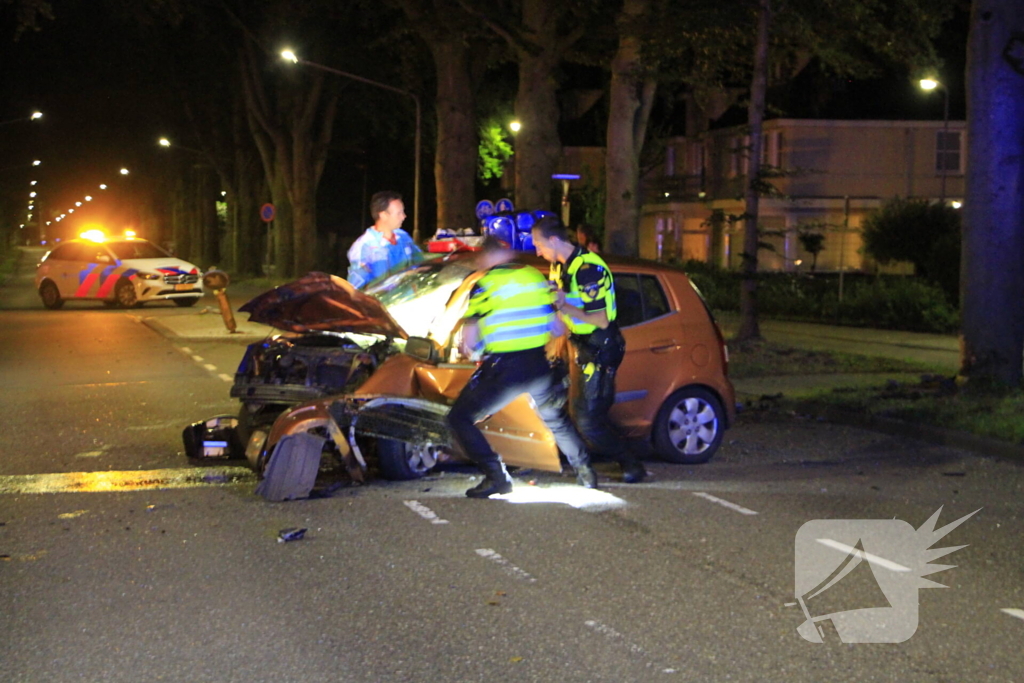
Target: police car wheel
[(185, 303), (689, 426), (401, 461), (124, 294), (50, 295)]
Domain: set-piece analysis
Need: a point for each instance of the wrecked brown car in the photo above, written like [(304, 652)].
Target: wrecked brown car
[(673, 388)]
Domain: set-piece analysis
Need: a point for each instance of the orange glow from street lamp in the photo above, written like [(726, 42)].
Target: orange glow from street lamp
[(124, 171)]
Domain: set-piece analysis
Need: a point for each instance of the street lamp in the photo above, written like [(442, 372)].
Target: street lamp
[(36, 115), (290, 56), (515, 126), (929, 84), (124, 171), (164, 142)]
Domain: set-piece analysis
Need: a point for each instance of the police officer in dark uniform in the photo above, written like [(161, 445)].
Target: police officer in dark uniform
[(511, 316), (586, 298)]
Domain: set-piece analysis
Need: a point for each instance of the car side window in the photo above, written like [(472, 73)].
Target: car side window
[(61, 253), (655, 301), (73, 252), (638, 298)]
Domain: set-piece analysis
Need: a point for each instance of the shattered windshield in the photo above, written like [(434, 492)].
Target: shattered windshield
[(415, 297)]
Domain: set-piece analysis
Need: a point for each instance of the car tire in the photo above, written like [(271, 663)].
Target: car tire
[(689, 426), (401, 461), (124, 294), (50, 295), (185, 303)]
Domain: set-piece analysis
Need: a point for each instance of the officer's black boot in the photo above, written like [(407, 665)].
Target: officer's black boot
[(633, 471), (495, 481), (586, 477)]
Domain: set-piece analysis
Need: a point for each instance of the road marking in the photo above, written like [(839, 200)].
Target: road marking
[(198, 359), (130, 480), (611, 634), (162, 425), (226, 378), (509, 568), (1013, 612), (732, 506), (873, 559), (185, 350), (211, 368), (424, 512)]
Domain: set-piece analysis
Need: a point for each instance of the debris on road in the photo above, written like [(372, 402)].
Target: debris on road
[(291, 534)]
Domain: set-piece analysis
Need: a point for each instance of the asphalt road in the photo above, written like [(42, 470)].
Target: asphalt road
[(131, 566)]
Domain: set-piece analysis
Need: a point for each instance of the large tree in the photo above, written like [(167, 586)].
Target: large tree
[(540, 34), (452, 38), (992, 271)]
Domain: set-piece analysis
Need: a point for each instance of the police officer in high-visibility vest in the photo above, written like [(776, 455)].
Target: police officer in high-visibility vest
[(511, 316), (586, 298)]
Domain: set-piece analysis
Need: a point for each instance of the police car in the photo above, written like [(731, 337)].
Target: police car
[(125, 272)]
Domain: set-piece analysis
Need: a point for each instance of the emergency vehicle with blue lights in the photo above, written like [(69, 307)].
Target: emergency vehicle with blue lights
[(119, 271)]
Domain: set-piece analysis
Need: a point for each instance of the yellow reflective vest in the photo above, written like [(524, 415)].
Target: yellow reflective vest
[(514, 308), (588, 285)]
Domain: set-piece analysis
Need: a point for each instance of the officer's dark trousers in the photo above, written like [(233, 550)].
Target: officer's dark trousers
[(598, 356), (496, 383)]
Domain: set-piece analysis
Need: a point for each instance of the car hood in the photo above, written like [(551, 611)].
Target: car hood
[(323, 303), (165, 266)]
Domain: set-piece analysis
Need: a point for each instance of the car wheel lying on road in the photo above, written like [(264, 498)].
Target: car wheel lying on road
[(401, 461), (50, 295), (689, 426)]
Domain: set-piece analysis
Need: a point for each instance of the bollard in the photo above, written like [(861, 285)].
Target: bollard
[(217, 280)]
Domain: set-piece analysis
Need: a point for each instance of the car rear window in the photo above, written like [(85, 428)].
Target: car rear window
[(639, 298)]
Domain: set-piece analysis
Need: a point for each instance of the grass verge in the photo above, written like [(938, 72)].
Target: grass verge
[(931, 400)]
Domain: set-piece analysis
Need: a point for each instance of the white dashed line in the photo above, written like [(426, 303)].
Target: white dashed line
[(611, 634), (424, 512), (732, 506), (211, 368), (509, 568), (226, 378), (198, 359), (185, 350), (1014, 612), (873, 559)]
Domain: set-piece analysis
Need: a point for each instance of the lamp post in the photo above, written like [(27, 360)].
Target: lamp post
[(35, 116), (290, 56), (931, 84)]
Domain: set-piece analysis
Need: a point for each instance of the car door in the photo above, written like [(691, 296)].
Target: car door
[(71, 262), (655, 355), (93, 259)]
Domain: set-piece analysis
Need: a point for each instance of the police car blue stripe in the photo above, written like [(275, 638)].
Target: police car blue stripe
[(82, 274)]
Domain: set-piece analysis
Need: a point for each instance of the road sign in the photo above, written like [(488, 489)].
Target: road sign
[(504, 206), (484, 208), (267, 212)]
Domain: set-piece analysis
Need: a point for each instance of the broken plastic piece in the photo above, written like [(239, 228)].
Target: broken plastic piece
[(290, 534)]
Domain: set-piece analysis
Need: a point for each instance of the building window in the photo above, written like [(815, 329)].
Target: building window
[(744, 152), (948, 156), (734, 157), (697, 159), (770, 148), (670, 161)]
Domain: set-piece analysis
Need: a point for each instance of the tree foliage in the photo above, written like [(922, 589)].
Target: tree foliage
[(918, 231), (495, 151)]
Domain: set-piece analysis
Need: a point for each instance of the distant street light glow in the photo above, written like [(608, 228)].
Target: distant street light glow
[(33, 182), (515, 126), (956, 204), (71, 210), (124, 171), (78, 203), (164, 142), (36, 162), (103, 187), (36, 115), (31, 194), (928, 84), (290, 56), (88, 198)]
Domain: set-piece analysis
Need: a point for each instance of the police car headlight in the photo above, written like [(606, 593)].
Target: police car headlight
[(149, 276)]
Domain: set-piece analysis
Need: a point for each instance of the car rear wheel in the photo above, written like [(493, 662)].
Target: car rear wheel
[(50, 295), (689, 426), (401, 461), (185, 303), (125, 295)]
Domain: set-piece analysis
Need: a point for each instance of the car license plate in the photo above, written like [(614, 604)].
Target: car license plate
[(182, 288)]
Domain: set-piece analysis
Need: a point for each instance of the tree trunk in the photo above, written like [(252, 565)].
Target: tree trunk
[(992, 265), (631, 98), (537, 146), (456, 155), (302, 192), (280, 234), (749, 327)]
